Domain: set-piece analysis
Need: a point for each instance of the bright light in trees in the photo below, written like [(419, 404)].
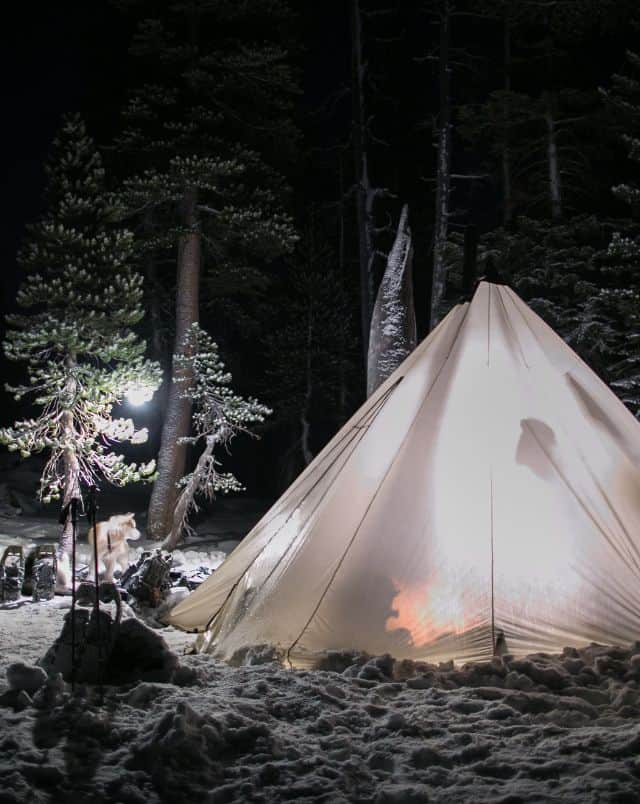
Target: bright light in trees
[(139, 393)]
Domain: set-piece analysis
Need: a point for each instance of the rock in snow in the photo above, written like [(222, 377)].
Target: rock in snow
[(23, 677), (139, 654)]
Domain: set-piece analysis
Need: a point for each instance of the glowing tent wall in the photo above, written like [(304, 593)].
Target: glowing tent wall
[(491, 484)]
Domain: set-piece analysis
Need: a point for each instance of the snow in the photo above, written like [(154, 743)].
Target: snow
[(546, 728)]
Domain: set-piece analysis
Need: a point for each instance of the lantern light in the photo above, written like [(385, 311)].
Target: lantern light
[(138, 394)]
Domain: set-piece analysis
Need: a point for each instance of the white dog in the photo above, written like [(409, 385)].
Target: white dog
[(113, 536)]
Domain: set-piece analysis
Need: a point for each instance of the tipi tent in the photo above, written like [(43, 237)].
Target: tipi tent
[(491, 486)]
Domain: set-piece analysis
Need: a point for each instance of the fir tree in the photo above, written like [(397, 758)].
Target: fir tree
[(218, 415), (218, 100), (80, 302)]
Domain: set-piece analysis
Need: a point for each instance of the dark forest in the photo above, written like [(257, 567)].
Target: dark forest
[(508, 127)]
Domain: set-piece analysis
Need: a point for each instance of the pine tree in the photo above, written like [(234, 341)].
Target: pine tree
[(213, 106), (219, 414), (80, 302)]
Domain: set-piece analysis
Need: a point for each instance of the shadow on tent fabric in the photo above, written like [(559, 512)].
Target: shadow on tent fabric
[(535, 445)]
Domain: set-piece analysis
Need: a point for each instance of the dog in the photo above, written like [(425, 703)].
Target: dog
[(112, 540)]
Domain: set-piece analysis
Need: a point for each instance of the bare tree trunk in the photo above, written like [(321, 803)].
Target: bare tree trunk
[(443, 168), (71, 481), (555, 184), (393, 324), (177, 422), (305, 426), (342, 379), (365, 193), (71, 487), (507, 190), (187, 495)]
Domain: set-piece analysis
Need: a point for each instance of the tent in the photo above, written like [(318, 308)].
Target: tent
[(488, 492)]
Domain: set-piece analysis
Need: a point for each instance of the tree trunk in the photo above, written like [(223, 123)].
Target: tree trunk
[(555, 184), (177, 422), (507, 190), (342, 262), (305, 425), (71, 487), (393, 324), (443, 168), (71, 491), (365, 194), (187, 495)]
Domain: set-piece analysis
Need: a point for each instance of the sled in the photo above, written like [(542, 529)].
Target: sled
[(11, 573)]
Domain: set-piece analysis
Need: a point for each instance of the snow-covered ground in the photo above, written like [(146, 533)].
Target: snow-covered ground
[(562, 729)]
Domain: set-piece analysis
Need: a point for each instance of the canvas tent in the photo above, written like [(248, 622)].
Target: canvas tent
[(490, 486)]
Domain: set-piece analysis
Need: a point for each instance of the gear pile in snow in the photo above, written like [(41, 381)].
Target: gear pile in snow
[(149, 579), (191, 580)]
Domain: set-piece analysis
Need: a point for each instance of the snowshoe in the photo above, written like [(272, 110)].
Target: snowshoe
[(44, 573), (11, 573)]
